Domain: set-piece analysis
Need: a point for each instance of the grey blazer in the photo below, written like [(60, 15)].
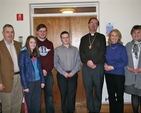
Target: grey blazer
[(131, 78)]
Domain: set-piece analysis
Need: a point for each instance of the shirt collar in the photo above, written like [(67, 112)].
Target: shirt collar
[(65, 46), (42, 40), (8, 43)]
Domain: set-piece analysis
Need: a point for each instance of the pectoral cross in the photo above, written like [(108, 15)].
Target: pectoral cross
[(90, 46)]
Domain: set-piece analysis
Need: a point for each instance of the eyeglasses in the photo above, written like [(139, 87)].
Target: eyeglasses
[(93, 23), (42, 31)]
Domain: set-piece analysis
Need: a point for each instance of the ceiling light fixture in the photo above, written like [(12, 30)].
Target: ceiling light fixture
[(67, 10)]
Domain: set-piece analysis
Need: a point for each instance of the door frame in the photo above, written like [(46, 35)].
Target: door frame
[(60, 5)]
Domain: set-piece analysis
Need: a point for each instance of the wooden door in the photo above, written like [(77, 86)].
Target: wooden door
[(77, 27)]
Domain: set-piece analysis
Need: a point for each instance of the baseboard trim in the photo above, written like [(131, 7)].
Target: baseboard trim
[(105, 107), (127, 108)]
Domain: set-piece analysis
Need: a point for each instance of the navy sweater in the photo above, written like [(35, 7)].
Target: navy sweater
[(116, 56)]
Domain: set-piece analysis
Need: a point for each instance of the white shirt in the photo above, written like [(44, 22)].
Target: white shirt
[(13, 53)]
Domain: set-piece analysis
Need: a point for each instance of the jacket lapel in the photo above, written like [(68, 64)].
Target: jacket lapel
[(6, 52)]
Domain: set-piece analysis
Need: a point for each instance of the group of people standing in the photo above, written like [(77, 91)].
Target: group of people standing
[(32, 66), (123, 70)]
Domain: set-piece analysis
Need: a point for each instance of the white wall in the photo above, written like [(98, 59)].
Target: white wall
[(123, 14)]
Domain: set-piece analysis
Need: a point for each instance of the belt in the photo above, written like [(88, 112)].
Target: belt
[(68, 71), (15, 73)]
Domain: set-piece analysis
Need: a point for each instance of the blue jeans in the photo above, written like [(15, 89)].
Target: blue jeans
[(48, 93)]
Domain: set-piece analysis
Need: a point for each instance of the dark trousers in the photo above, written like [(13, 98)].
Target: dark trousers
[(48, 93), (115, 87), (93, 83), (67, 87), (33, 97)]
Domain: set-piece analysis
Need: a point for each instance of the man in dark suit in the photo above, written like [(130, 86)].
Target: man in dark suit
[(10, 83), (92, 54)]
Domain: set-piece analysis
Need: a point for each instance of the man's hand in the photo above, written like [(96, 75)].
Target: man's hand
[(91, 64), (70, 74), (44, 72), (2, 87), (26, 90), (42, 85), (66, 75)]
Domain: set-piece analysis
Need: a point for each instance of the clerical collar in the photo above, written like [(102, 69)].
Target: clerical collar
[(92, 34)]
